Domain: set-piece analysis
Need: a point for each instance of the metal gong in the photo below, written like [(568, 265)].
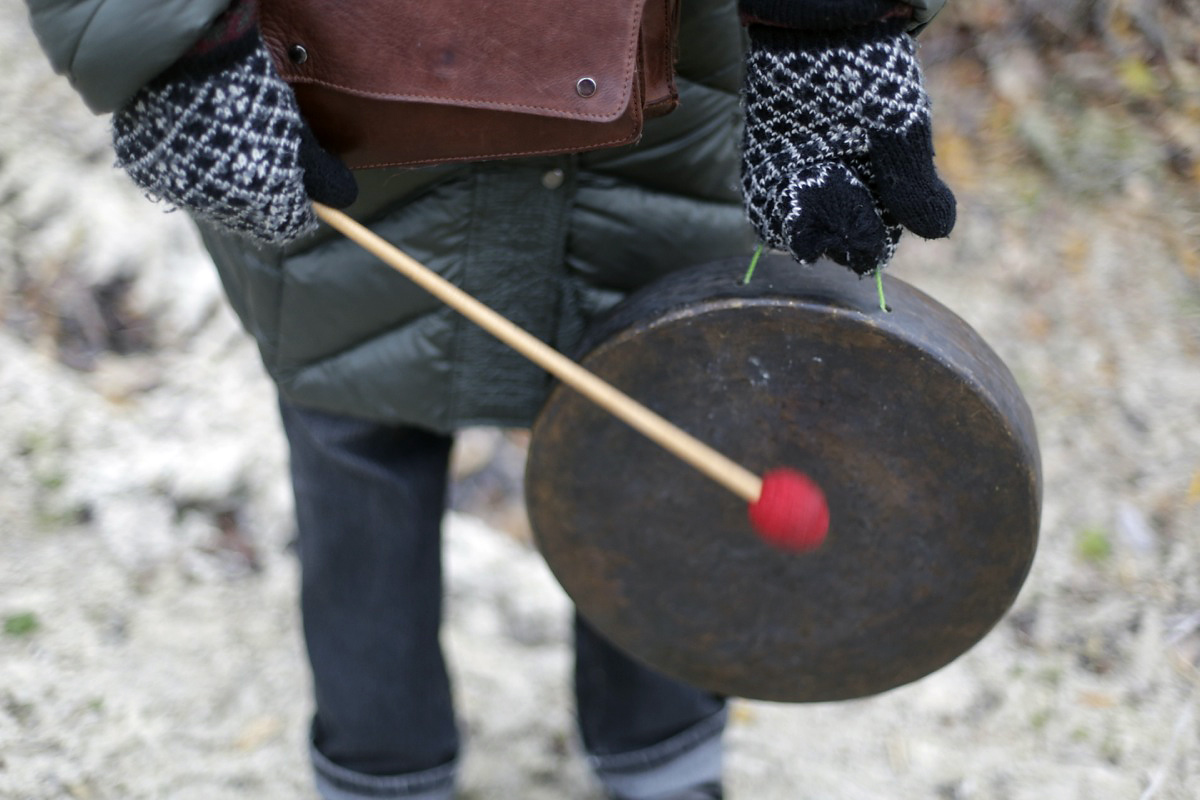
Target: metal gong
[(911, 424)]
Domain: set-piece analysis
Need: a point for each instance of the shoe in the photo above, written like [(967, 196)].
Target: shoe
[(706, 791)]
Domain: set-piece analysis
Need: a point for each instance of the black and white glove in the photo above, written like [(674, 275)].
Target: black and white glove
[(219, 134), (838, 149)]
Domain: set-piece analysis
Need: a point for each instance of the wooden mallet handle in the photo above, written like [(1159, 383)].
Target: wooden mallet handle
[(721, 469)]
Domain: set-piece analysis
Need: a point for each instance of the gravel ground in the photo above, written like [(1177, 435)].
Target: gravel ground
[(150, 644)]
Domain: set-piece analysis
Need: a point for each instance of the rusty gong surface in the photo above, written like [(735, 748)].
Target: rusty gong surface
[(912, 425)]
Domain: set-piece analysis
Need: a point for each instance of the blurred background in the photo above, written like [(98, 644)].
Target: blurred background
[(149, 645)]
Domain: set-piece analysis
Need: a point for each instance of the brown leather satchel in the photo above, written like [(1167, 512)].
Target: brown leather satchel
[(408, 82)]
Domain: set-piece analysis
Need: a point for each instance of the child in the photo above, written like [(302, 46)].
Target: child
[(375, 376)]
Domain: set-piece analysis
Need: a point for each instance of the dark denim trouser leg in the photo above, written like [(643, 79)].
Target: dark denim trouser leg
[(647, 735), (369, 505)]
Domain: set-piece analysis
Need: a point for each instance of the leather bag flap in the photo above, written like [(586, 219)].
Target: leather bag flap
[(569, 59)]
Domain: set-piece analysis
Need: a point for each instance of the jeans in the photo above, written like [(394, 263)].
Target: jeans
[(369, 506)]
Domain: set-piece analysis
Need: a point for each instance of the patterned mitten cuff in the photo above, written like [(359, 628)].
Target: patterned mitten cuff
[(220, 135), (838, 151), (834, 15), (820, 15)]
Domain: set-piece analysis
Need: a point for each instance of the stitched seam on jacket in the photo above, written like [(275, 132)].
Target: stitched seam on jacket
[(456, 334)]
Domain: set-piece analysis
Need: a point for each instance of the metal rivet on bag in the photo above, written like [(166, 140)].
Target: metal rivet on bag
[(586, 87), (298, 54)]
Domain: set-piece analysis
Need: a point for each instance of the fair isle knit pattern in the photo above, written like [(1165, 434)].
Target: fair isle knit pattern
[(837, 147), (223, 144)]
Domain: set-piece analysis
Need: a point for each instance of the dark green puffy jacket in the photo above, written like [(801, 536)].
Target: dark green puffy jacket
[(549, 242)]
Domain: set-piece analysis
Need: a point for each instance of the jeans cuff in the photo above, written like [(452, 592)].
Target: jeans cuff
[(338, 783), (688, 759)]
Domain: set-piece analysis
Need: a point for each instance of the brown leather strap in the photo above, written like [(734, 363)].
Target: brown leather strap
[(660, 27)]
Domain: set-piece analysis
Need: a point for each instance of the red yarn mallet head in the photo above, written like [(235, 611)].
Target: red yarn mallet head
[(791, 512)]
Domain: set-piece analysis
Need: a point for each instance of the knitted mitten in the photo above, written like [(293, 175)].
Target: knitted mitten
[(219, 134), (838, 151)]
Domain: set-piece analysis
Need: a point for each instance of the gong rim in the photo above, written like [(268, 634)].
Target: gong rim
[(915, 570)]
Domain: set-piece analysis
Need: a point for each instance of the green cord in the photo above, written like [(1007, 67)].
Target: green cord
[(753, 263), (758, 251)]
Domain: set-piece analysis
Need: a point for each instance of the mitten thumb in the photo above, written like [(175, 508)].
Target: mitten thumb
[(907, 184), (326, 179)]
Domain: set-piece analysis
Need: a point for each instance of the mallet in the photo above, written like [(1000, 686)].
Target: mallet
[(787, 509)]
